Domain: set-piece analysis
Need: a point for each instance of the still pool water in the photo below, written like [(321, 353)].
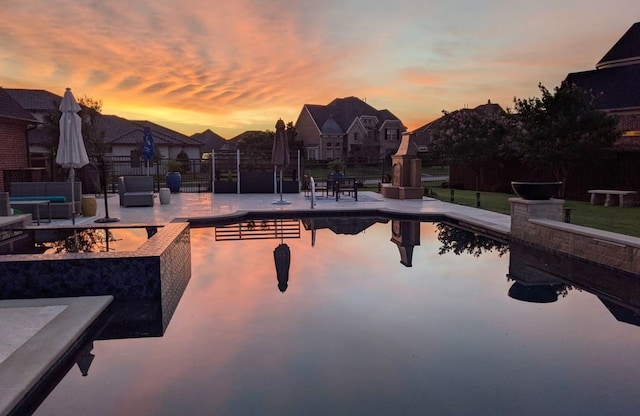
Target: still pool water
[(390, 321)]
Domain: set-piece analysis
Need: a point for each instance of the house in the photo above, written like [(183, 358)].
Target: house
[(423, 136), (210, 141), (15, 122), (617, 80), (113, 135), (123, 142), (348, 128)]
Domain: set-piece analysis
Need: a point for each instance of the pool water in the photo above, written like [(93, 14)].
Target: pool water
[(378, 320)]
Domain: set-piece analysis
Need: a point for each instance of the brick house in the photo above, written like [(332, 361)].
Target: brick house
[(15, 122), (347, 128)]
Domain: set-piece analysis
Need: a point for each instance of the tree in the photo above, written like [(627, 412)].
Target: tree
[(93, 135), (294, 145), (563, 129), (474, 138), (459, 241)]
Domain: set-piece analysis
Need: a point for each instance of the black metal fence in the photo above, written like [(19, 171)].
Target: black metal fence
[(197, 175)]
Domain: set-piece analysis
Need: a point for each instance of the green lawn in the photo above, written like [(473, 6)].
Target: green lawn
[(618, 220)]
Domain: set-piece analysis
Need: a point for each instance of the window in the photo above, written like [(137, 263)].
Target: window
[(391, 134), (329, 144), (312, 153), (356, 137)]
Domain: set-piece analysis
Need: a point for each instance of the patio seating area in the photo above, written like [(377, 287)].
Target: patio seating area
[(58, 194)]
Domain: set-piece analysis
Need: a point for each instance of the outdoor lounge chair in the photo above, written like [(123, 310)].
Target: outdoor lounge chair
[(135, 191)]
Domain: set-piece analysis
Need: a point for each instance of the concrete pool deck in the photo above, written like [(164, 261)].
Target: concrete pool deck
[(35, 332), (206, 205)]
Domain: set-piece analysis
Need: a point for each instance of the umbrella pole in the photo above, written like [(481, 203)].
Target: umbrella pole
[(280, 184), (281, 201), (72, 179), (106, 205)]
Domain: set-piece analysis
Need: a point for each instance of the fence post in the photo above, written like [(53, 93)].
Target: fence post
[(567, 215), (477, 199), (238, 170), (451, 198), (158, 174), (213, 171)]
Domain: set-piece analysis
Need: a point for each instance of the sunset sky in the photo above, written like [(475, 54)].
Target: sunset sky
[(239, 65)]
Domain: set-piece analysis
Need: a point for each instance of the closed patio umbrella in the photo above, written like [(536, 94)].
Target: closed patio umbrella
[(71, 151), (148, 149), (280, 154)]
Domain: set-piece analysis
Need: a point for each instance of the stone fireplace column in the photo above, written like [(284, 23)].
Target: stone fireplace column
[(406, 182)]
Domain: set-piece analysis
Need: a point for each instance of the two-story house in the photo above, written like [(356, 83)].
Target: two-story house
[(616, 80), (348, 128)]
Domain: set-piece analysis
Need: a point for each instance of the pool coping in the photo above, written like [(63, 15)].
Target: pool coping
[(36, 356)]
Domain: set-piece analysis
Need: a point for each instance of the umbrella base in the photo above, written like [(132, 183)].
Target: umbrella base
[(281, 202), (106, 219)]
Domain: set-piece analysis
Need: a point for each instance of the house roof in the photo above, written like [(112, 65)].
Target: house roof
[(125, 132), (117, 129), (625, 50), (35, 100), (168, 135), (209, 140), (488, 108), (618, 87), (615, 79), (423, 134), (343, 111), (9, 108)]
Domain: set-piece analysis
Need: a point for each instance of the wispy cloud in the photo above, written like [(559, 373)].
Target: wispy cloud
[(232, 66)]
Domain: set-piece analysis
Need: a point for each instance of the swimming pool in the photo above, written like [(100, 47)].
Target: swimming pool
[(378, 316)]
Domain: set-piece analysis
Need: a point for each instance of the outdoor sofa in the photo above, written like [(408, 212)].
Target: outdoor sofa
[(57, 193), (135, 191)]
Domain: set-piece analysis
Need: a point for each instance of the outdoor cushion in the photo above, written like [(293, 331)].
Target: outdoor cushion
[(52, 198)]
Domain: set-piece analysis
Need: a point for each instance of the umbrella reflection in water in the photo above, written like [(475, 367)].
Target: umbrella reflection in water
[(282, 257)]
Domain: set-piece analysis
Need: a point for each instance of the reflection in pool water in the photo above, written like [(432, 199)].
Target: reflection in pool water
[(80, 240), (358, 331)]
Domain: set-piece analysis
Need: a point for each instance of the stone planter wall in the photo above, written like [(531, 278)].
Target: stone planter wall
[(540, 223)]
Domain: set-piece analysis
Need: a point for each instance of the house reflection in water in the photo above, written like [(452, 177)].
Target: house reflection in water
[(342, 225)]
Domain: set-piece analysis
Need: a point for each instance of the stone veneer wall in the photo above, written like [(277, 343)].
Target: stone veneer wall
[(539, 223), (158, 270)]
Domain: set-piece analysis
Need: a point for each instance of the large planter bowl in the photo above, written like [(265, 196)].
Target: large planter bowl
[(536, 190), (535, 294)]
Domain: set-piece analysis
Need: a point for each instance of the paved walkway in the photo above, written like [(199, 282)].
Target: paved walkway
[(34, 333)]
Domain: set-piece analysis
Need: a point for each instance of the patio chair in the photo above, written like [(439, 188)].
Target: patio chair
[(135, 191)]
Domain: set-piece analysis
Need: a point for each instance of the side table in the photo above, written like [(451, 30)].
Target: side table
[(35, 208), (165, 196)]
